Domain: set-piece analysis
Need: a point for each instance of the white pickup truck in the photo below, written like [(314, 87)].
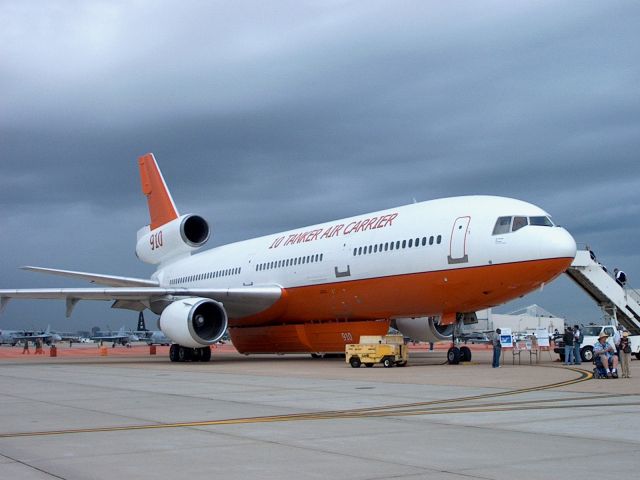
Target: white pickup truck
[(591, 334)]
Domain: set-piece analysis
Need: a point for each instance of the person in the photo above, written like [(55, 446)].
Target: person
[(617, 336), (620, 276), (606, 352), (625, 355), (578, 337), (25, 349), (497, 349), (568, 346)]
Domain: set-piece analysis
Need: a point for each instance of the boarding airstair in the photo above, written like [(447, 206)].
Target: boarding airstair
[(620, 305)]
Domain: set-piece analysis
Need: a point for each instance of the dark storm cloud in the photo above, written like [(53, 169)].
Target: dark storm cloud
[(269, 116)]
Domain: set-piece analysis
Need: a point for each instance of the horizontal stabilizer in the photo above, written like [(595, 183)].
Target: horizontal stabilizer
[(109, 280)]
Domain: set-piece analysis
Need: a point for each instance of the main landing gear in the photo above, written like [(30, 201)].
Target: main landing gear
[(456, 355), (178, 353)]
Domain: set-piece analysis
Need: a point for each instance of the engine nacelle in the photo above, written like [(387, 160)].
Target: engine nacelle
[(194, 322), (424, 329), (178, 237)]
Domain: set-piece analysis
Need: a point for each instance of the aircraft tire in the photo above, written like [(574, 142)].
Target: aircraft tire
[(205, 354), (453, 356), (173, 352), (184, 354), (465, 354)]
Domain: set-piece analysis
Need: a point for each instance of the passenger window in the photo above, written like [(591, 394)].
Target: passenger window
[(404, 244), (439, 239), (431, 240), (410, 242), (398, 245), (502, 226), (386, 246), (375, 248), (518, 223), (391, 246), (424, 241)]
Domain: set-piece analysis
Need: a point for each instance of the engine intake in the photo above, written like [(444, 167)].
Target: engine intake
[(194, 230), (194, 322)]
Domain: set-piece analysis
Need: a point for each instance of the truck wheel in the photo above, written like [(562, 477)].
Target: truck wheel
[(587, 354), (355, 362), (387, 362), (465, 354), (368, 365), (453, 356)]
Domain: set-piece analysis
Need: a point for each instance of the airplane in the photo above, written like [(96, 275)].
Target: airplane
[(121, 338), (9, 337), (47, 337), (426, 267)]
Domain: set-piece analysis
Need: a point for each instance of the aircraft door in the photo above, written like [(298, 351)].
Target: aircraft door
[(458, 242)]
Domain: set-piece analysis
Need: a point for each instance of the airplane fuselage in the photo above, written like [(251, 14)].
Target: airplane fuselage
[(434, 258)]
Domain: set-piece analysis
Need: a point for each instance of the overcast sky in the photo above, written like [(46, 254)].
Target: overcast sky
[(267, 116)]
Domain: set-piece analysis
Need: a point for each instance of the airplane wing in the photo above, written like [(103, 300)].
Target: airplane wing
[(101, 279), (238, 302)]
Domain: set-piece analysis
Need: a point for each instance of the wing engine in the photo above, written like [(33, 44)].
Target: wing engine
[(424, 329), (194, 322)]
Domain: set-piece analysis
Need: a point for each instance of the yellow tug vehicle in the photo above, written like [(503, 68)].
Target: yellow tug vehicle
[(389, 350)]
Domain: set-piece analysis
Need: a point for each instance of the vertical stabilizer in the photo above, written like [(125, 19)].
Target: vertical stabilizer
[(161, 207)]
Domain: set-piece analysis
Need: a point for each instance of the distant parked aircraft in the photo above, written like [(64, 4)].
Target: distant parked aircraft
[(120, 338), (47, 337)]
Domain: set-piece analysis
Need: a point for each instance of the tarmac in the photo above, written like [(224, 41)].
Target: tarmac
[(129, 414)]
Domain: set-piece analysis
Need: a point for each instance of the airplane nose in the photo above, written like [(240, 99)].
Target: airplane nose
[(561, 244)]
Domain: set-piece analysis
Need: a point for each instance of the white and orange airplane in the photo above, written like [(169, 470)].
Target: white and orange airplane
[(424, 266)]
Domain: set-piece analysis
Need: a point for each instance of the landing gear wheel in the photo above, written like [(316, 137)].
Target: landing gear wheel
[(465, 354), (184, 354), (453, 356), (173, 352), (387, 362), (205, 354), (195, 354), (355, 362)]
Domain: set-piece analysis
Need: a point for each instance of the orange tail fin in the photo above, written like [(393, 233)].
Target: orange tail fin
[(161, 207)]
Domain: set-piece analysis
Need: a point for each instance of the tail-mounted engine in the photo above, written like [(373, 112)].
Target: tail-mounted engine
[(177, 238), (194, 322)]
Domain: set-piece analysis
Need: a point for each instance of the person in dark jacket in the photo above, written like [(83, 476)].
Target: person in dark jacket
[(568, 346), (497, 349)]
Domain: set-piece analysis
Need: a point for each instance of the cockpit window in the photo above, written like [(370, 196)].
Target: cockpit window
[(541, 221), (519, 222), (503, 225), (511, 224)]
